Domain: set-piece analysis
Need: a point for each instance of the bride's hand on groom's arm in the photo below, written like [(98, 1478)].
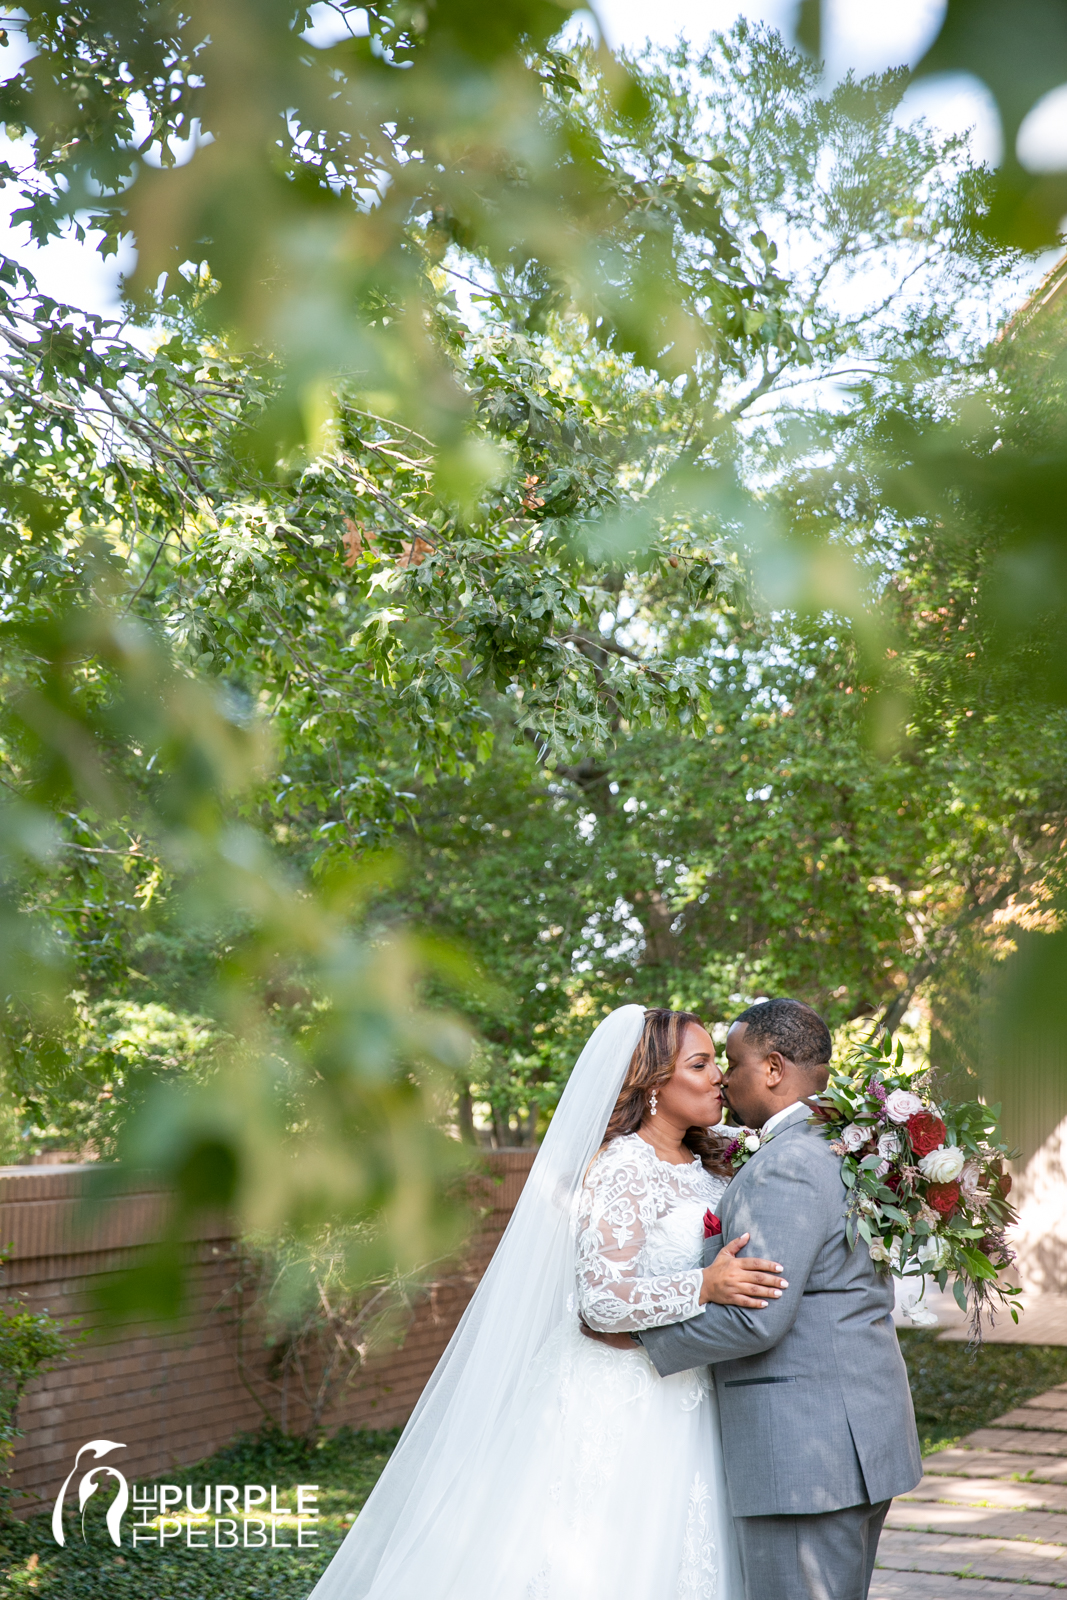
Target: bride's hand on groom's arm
[(734, 1280), (731, 1280)]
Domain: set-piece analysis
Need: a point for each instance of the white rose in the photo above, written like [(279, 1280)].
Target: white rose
[(902, 1104), (942, 1164), (855, 1138), (877, 1250), (889, 1145), (881, 1169), (752, 1141)]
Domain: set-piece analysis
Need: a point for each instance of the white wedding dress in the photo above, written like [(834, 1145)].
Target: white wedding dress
[(627, 1488), (540, 1464)]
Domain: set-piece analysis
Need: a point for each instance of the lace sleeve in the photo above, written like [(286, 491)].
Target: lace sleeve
[(621, 1200)]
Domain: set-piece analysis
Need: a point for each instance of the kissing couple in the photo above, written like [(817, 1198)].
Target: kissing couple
[(631, 1408)]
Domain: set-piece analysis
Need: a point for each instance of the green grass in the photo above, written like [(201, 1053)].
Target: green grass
[(954, 1393)]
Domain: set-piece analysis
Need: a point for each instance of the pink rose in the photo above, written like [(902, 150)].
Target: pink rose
[(902, 1104)]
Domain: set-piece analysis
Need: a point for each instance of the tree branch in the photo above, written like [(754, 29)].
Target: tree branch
[(947, 941)]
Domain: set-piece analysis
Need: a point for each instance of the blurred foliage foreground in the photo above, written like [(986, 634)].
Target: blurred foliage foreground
[(621, 486), (317, 1111)]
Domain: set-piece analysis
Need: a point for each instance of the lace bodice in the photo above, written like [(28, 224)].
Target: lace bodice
[(640, 1234)]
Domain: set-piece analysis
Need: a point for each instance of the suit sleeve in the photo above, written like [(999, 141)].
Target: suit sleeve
[(789, 1203)]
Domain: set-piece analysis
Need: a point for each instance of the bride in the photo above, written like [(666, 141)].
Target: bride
[(543, 1465)]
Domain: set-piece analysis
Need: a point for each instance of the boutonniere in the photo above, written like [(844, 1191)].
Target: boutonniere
[(743, 1147)]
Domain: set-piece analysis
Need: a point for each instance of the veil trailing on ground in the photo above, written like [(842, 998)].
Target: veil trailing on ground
[(422, 1500)]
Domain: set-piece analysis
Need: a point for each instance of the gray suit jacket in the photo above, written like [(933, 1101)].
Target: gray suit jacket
[(813, 1392)]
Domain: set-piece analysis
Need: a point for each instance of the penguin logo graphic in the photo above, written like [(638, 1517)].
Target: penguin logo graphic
[(88, 1486)]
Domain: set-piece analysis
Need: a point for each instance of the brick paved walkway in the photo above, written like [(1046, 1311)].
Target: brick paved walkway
[(989, 1519)]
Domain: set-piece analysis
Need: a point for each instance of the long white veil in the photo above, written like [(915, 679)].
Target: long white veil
[(422, 1500)]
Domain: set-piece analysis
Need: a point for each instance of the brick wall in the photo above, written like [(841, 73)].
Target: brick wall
[(173, 1394)]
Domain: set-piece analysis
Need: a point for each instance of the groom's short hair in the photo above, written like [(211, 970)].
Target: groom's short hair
[(790, 1027)]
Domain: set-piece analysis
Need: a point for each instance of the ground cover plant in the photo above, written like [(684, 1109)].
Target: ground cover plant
[(954, 1393), (345, 1467)]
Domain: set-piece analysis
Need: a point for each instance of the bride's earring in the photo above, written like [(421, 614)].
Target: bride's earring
[(652, 1103)]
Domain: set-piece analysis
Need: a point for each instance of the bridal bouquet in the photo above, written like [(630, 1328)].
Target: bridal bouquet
[(928, 1190)]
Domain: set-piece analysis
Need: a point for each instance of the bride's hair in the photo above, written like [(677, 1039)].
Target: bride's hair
[(651, 1065)]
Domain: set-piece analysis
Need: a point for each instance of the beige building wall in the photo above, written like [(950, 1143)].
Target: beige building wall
[(1040, 1196), (1032, 1091)]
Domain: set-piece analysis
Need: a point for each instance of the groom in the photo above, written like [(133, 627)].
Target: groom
[(818, 1430)]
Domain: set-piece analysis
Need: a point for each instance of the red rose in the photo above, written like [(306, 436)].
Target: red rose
[(712, 1225), (944, 1197), (926, 1132), (893, 1180)]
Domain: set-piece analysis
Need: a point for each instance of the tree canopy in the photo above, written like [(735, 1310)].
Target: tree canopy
[(581, 509)]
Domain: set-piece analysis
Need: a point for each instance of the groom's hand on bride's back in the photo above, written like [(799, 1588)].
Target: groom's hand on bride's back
[(734, 1280)]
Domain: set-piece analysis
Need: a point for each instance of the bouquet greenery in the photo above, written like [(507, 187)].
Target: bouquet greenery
[(927, 1186)]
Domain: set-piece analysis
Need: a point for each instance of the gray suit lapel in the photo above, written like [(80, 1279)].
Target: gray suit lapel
[(797, 1118), (712, 1247)]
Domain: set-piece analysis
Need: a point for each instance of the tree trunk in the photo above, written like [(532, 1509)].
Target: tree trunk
[(661, 946), (465, 1116)]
